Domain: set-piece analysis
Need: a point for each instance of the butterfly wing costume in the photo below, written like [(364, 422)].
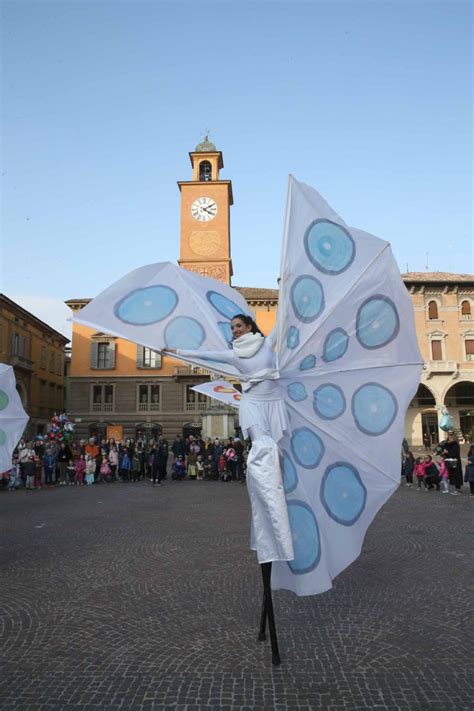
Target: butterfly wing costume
[(325, 409)]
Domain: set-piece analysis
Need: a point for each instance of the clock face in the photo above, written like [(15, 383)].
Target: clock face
[(204, 209)]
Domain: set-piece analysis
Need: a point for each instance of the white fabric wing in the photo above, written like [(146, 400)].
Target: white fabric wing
[(13, 418), (164, 306), (349, 365)]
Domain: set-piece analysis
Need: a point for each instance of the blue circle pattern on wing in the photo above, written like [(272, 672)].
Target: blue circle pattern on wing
[(292, 337), (307, 447), (306, 541), (226, 307), (226, 330), (342, 493), (335, 345), (297, 392), (374, 408), (307, 363), (329, 401), (307, 298), (329, 246), (184, 332), (142, 307), (377, 322), (290, 477)]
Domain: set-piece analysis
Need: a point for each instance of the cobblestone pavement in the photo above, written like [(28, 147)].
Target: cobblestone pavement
[(126, 596)]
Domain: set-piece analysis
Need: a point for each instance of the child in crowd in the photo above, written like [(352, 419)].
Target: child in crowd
[(419, 471), (90, 469), (224, 475), (113, 461), (208, 466), (14, 480), (192, 460), (71, 472), (200, 468), (431, 473), (125, 467), (80, 470), (136, 466), (444, 474), (29, 469), (38, 471), (105, 470), (179, 468)]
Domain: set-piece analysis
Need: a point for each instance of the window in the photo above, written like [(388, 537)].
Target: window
[(148, 397), (42, 393), (43, 357), (466, 310), (19, 345), (102, 355), (102, 398), (51, 361), (52, 396), (436, 350), (432, 310), (469, 349), (146, 358), (195, 401), (60, 364), (205, 171)]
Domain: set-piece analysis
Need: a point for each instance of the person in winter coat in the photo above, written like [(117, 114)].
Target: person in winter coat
[(469, 473), (64, 456), (408, 466), (453, 460)]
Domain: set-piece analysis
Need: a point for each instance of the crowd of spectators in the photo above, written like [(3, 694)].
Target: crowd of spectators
[(43, 463)]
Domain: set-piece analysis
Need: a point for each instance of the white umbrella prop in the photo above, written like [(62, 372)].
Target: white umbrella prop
[(13, 418)]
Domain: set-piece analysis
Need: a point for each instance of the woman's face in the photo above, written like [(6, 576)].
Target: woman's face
[(239, 328)]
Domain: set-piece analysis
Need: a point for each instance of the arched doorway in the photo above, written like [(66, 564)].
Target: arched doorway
[(192, 428), (425, 402), (460, 399), (145, 431), (97, 430)]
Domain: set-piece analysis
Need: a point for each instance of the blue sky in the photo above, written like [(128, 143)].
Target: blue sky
[(368, 102)]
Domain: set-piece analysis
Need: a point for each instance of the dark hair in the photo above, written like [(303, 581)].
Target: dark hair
[(248, 320)]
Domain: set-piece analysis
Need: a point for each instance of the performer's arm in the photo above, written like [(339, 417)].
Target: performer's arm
[(220, 356)]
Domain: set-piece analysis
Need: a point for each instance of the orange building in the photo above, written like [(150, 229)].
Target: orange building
[(117, 388), (36, 352)]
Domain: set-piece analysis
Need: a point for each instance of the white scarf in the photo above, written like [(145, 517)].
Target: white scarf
[(247, 345)]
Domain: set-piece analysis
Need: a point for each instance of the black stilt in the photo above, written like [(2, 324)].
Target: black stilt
[(267, 612)]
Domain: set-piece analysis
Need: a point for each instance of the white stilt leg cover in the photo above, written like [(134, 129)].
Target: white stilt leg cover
[(271, 531)]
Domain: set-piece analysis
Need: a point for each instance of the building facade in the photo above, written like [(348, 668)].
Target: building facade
[(37, 353), (443, 304), (117, 388)]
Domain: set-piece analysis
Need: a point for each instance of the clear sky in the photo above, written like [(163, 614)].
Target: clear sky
[(368, 102)]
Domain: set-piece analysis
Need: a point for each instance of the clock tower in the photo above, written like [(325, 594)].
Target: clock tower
[(205, 216)]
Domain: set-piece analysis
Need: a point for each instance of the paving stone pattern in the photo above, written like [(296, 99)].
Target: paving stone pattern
[(125, 596)]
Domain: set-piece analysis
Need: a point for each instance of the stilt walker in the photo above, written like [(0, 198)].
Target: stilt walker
[(324, 411)]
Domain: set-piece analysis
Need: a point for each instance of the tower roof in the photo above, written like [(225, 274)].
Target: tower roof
[(206, 146)]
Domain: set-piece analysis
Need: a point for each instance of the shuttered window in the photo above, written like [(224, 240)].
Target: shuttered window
[(43, 357), (436, 350), (147, 358), (432, 310), (469, 349), (102, 355), (466, 310)]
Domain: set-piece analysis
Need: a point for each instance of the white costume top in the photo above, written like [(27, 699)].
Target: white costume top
[(261, 404)]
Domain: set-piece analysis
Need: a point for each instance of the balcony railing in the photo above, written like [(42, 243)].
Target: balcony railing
[(191, 370), (102, 406), (148, 406), (196, 406), (442, 366), (18, 361)]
